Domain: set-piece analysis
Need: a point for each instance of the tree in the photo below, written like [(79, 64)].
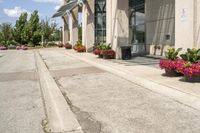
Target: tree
[(6, 33), (34, 28), (48, 28), (19, 29), (55, 36)]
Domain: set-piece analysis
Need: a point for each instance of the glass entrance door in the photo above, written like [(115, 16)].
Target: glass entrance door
[(137, 26)]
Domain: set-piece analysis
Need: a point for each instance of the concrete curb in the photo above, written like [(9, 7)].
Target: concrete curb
[(179, 96), (59, 115)]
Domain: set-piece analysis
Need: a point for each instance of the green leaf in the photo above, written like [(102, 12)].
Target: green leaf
[(166, 55), (184, 57), (198, 54), (178, 50)]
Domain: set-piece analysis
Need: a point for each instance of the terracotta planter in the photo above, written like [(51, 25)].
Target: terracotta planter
[(195, 78), (172, 73)]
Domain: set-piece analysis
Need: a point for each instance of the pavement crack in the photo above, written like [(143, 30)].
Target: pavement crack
[(85, 119)]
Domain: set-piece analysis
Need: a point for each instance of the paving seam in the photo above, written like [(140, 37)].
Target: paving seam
[(60, 117), (178, 96)]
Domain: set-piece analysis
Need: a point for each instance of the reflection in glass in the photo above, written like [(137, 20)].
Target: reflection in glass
[(100, 20), (137, 21)]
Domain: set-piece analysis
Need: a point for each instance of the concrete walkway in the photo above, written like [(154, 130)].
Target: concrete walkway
[(111, 97), (148, 77)]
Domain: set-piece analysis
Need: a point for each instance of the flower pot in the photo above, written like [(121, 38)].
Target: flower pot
[(173, 73), (195, 78)]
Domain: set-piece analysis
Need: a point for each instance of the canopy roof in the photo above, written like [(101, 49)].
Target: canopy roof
[(68, 7)]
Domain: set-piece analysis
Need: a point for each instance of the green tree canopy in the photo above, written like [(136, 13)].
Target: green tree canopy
[(19, 28), (48, 28), (34, 28), (6, 33)]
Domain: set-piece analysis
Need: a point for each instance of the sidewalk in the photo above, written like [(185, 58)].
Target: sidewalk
[(148, 77)]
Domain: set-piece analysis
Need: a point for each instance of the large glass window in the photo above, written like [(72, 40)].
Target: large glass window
[(100, 20), (137, 21)]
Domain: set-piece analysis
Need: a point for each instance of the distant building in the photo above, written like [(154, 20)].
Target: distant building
[(149, 26)]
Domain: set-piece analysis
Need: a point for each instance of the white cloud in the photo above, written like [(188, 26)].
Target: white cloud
[(50, 1), (15, 12), (57, 7)]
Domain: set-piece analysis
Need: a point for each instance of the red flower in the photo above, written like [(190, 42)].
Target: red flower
[(97, 52), (169, 64)]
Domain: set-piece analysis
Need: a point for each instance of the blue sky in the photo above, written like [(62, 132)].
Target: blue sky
[(11, 9)]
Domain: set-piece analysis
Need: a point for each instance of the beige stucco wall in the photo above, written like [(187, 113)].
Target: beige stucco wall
[(184, 24), (160, 21), (117, 24), (88, 28)]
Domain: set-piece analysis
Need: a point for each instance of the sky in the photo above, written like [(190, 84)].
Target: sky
[(10, 10)]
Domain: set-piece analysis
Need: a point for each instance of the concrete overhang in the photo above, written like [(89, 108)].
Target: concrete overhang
[(68, 7)]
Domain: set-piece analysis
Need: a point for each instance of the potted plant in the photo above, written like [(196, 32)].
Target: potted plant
[(191, 69), (79, 47), (68, 46), (98, 50), (101, 49), (169, 63), (109, 54)]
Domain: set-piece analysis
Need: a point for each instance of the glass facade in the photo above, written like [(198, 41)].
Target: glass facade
[(100, 21), (137, 21)]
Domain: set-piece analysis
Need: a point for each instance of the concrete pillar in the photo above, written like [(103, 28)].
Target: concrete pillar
[(185, 24), (74, 26), (118, 24), (198, 23), (88, 28), (66, 35)]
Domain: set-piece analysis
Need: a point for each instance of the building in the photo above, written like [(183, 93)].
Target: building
[(148, 26)]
